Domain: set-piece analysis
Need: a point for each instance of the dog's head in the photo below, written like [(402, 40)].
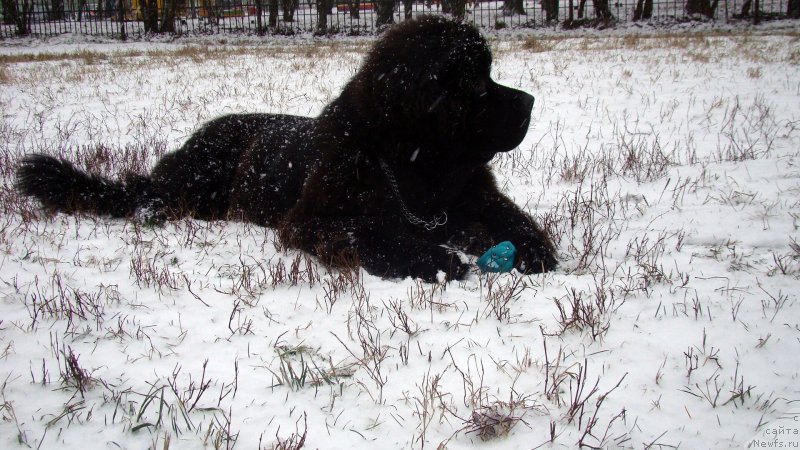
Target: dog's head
[(429, 87)]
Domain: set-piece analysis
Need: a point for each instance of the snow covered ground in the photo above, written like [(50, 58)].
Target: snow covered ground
[(667, 168)]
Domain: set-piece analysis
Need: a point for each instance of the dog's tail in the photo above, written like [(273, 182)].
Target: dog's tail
[(60, 186)]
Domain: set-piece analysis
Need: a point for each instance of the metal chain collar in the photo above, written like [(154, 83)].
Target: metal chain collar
[(438, 220)]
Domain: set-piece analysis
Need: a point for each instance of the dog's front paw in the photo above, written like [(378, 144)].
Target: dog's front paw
[(423, 261), (429, 267), (152, 214), (534, 257)]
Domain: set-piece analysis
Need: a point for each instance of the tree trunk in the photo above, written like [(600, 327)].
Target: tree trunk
[(272, 22), (168, 10), (19, 13), (794, 9), (213, 11), (81, 7), (384, 12), (756, 12), (550, 10), (459, 9), (149, 11), (602, 11), (644, 10), (289, 7), (9, 12), (322, 16), (259, 19), (355, 9), (581, 9), (511, 7), (123, 33), (701, 7), (408, 6), (57, 9), (746, 9)]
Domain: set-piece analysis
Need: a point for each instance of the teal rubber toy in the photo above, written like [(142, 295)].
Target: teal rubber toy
[(499, 258)]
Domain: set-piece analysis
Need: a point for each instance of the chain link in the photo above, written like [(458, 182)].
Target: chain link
[(438, 220)]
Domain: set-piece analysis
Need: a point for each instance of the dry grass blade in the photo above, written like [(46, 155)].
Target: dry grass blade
[(492, 422), (295, 441)]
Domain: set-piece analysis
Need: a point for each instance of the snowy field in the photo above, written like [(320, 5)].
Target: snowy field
[(667, 168)]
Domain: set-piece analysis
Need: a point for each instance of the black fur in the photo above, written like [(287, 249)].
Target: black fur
[(60, 186), (422, 111)]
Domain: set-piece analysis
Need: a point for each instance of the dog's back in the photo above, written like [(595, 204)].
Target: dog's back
[(248, 151), (203, 177)]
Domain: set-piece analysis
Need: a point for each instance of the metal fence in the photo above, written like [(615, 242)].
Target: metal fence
[(126, 18)]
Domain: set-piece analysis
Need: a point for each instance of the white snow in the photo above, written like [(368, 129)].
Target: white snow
[(666, 166)]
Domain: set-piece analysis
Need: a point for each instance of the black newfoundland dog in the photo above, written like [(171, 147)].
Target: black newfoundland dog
[(392, 175)]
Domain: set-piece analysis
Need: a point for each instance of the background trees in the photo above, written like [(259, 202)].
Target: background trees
[(18, 13), (704, 8), (644, 10), (793, 10), (48, 17), (384, 12)]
